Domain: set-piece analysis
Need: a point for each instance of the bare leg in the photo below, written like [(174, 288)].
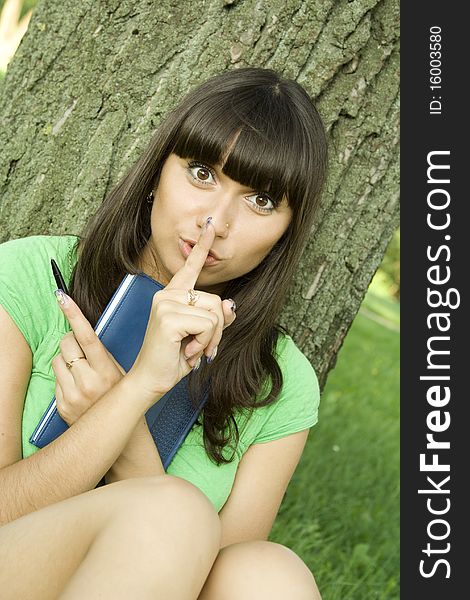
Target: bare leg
[(259, 570), (154, 537)]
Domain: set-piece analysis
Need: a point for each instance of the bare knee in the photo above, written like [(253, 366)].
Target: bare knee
[(163, 530), (295, 576), (259, 570), (150, 502)]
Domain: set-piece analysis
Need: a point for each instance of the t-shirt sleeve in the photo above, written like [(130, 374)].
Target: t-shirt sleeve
[(297, 405), (27, 284), (15, 284)]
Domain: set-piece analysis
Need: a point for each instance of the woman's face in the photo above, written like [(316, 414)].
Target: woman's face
[(188, 192)]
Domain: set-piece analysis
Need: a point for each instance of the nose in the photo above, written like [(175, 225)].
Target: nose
[(221, 229), (223, 217)]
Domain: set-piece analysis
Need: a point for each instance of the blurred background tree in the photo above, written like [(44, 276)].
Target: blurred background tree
[(389, 271), (14, 20)]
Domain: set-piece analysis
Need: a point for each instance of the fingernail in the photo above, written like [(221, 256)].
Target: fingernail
[(207, 223), (61, 297), (212, 356), (198, 364), (234, 305)]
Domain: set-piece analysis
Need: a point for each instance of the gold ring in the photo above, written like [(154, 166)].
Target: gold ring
[(193, 297), (70, 362)]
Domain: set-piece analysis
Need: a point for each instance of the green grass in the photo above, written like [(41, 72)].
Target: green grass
[(341, 510)]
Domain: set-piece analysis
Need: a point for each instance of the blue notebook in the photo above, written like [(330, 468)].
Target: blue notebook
[(121, 328)]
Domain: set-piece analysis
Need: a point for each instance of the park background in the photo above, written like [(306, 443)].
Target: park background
[(341, 510)]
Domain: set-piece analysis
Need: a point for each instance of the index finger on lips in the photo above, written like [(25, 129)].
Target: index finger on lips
[(187, 276), (84, 333)]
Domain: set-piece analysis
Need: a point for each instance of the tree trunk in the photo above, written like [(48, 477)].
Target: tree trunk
[(92, 79)]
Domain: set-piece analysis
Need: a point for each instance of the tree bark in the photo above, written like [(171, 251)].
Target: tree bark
[(92, 79)]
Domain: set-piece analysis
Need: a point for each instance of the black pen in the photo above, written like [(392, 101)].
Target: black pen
[(58, 276)]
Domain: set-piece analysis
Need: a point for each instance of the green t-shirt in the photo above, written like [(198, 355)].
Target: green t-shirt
[(26, 292)]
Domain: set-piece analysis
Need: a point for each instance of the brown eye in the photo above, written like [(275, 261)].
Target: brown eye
[(261, 203), (263, 199), (203, 174)]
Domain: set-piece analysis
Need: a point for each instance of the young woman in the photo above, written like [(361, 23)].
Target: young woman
[(218, 209)]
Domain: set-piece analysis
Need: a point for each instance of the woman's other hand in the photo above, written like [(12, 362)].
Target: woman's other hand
[(96, 371), (178, 334)]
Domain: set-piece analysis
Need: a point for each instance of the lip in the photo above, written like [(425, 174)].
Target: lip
[(211, 252), (186, 246)]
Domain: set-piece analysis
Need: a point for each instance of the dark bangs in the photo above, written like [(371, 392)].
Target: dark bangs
[(264, 141)]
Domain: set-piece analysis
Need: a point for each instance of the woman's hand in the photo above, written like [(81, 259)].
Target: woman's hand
[(81, 385), (178, 334)]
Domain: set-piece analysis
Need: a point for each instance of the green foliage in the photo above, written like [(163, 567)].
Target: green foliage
[(388, 273), (341, 511), (27, 5)]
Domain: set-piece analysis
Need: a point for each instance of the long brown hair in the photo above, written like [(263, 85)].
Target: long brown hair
[(268, 132)]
